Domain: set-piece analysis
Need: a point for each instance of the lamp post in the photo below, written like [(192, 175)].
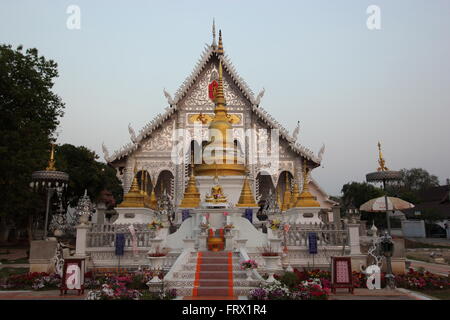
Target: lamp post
[(50, 180), (384, 175)]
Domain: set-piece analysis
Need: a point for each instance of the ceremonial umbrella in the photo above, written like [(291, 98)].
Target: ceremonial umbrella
[(379, 204)]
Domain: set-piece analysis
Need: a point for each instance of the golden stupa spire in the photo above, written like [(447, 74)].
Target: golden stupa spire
[(246, 199), (220, 47), (51, 161), (134, 198), (306, 199), (286, 195), (225, 156), (191, 197), (381, 160)]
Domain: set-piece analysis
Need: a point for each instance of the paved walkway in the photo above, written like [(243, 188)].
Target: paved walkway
[(435, 241), (39, 295), (383, 294)]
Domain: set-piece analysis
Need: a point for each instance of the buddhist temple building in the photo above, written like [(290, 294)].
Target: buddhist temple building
[(215, 108)]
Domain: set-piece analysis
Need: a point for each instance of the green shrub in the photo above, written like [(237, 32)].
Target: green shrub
[(290, 279)]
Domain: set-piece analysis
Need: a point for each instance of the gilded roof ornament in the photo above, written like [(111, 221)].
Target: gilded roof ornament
[(381, 160), (51, 161)]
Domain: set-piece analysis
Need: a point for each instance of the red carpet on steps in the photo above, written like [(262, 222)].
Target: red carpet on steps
[(213, 276)]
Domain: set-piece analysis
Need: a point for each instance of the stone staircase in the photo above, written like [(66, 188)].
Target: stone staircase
[(212, 274)]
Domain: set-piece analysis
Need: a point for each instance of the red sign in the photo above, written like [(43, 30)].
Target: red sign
[(212, 89), (341, 273)]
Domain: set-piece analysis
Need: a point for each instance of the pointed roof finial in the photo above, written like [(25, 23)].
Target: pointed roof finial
[(214, 44), (51, 161), (381, 160), (220, 48)]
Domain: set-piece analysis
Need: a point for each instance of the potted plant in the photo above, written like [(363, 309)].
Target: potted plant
[(156, 258), (248, 266), (271, 259)]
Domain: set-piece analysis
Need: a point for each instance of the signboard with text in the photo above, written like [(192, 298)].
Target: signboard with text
[(341, 273)]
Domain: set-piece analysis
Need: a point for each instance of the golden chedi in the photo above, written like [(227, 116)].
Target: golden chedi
[(246, 199), (134, 198), (191, 198), (294, 196), (306, 199), (220, 149), (286, 195)]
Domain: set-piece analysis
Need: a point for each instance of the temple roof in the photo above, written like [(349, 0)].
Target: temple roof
[(209, 52)]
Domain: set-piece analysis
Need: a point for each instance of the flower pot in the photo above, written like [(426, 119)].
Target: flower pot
[(156, 264), (271, 266)]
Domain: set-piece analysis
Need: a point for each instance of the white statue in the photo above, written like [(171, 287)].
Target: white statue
[(259, 96), (169, 97), (132, 133), (105, 152), (296, 131), (321, 151)]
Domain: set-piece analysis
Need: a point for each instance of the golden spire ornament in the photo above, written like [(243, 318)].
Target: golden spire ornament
[(246, 198), (191, 197), (294, 195), (220, 47), (51, 161), (381, 160), (134, 198), (306, 199), (286, 195)]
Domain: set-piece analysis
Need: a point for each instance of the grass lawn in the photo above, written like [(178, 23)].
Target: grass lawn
[(6, 272), (440, 294)]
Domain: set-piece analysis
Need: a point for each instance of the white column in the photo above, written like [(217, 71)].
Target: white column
[(80, 246), (354, 242)]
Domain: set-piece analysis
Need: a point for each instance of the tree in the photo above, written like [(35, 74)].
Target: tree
[(30, 114), (412, 183), (357, 193), (86, 172)]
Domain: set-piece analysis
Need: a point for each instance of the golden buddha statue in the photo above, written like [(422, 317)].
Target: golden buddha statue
[(216, 195)]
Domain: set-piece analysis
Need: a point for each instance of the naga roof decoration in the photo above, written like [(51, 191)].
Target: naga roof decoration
[(207, 53)]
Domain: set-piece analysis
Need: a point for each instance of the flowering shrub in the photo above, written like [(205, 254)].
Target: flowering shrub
[(249, 264), (116, 291), (32, 280), (422, 280), (273, 291), (312, 289)]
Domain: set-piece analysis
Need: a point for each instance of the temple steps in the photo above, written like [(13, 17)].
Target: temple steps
[(212, 274)]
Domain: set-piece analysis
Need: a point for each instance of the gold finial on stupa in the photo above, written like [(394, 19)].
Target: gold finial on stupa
[(220, 47), (246, 199), (134, 198), (381, 160), (153, 201), (191, 197), (286, 195), (294, 196), (51, 161), (306, 199), (223, 153)]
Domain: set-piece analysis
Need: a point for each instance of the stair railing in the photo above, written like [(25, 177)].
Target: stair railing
[(243, 255)]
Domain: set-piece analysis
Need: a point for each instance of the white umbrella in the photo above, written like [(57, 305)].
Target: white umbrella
[(379, 204)]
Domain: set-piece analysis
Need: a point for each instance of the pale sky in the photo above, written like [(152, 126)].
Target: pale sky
[(319, 63)]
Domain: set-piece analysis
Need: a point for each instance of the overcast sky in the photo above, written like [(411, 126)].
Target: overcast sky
[(319, 63)]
